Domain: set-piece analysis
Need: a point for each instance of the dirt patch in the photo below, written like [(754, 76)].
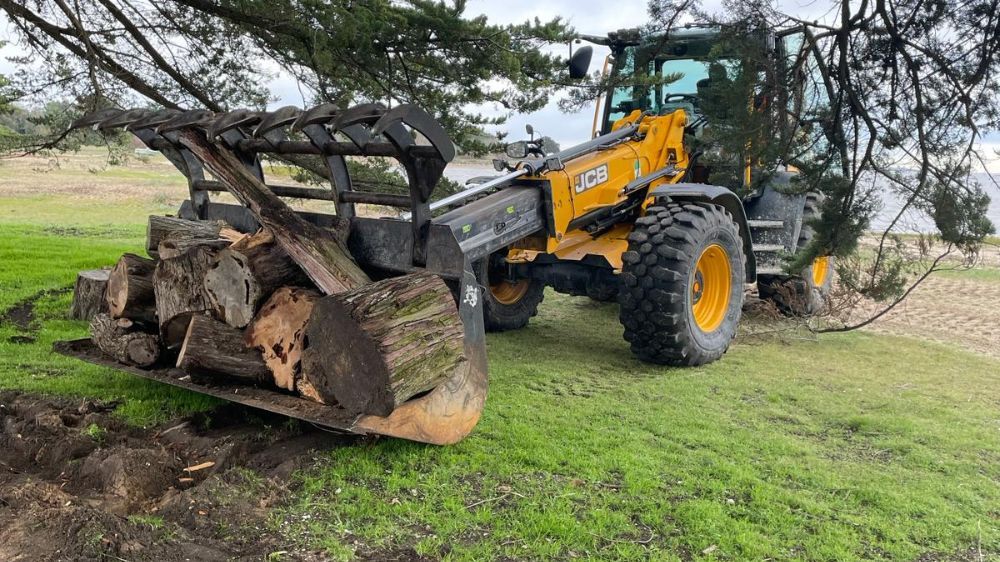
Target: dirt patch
[(955, 311), (22, 315), (77, 484)]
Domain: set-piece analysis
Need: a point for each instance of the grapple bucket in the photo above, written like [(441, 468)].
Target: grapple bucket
[(381, 246)]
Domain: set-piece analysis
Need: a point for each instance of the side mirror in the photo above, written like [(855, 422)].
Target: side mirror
[(579, 63), (517, 149), (530, 130)]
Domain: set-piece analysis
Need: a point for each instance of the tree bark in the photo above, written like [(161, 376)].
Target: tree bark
[(278, 332), (180, 235), (122, 340), (179, 285), (373, 348), (130, 289), (89, 294), (245, 274), (323, 257), (214, 350)]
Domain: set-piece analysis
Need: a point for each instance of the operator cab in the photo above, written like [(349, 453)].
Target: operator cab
[(663, 75)]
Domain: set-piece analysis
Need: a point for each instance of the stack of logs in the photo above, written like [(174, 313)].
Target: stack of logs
[(285, 308)]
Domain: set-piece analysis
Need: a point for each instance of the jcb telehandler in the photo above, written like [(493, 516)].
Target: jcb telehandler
[(630, 215), (627, 214)]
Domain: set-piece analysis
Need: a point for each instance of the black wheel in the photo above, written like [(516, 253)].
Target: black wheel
[(507, 305), (603, 293), (804, 294), (682, 284)]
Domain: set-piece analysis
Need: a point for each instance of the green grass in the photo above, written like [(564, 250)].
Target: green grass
[(851, 447), (978, 273), (839, 448), (38, 264)]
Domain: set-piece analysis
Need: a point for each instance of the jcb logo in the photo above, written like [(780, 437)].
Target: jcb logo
[(591, 178)]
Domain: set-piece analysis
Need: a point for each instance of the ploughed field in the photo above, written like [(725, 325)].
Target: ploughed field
[(883, 444)]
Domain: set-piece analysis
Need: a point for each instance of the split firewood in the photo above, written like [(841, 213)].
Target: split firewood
[(179, 235), (214, 350), (375, 347), (323, 257), (90, 294), (130, 289), (123, 340), (245, 274), (278, 332), (179, 287)]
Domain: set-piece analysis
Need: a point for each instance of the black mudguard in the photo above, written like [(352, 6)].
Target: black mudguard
[(717, 195)]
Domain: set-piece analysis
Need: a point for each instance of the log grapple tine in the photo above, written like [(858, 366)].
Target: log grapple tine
[(320, 114), (96, 117), (270, 121), (367, 113), (232, 120), (124, 119), (421, 122), (153, 120), (185, 119)]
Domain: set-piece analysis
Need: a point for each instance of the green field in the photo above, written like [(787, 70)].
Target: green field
[(843, 447)]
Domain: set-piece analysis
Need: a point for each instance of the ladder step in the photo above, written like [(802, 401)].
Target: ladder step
[(770, 270), (768, 247), (765, 223)]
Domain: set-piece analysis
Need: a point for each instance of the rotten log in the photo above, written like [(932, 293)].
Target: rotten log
[(130, 289), (247, 273), (90, 294), (323, 257), (213, 350), (179, 287), (278, 332), (179, 235), (124, 341), (375, 347)]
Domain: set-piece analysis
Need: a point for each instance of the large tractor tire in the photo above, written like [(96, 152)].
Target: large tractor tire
[(805, 294), (506, 305), (682, 284)]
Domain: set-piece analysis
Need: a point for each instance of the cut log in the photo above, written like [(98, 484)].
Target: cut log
[(375, 347), (278, 332), (171, 248), (89, 294), (323, 257), (179, 286), (130, 289), (121, 339), (184, 234), (245, 274), (213, 350)]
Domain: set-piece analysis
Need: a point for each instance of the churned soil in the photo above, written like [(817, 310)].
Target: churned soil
[(78, 484)]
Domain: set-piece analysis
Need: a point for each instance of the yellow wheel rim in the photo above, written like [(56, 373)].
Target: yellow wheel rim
[(820, 270), (506, 292), (711, 286)]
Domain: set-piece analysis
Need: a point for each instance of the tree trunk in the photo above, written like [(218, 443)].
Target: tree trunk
[(179, 285), (279, 332), (122, 340), (373, 348), (214, 350), (245, 274), (89, 294), (319, 253), (183, 234), (130, 289)]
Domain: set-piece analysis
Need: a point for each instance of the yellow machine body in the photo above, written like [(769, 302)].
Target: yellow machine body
[(597, 180)]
